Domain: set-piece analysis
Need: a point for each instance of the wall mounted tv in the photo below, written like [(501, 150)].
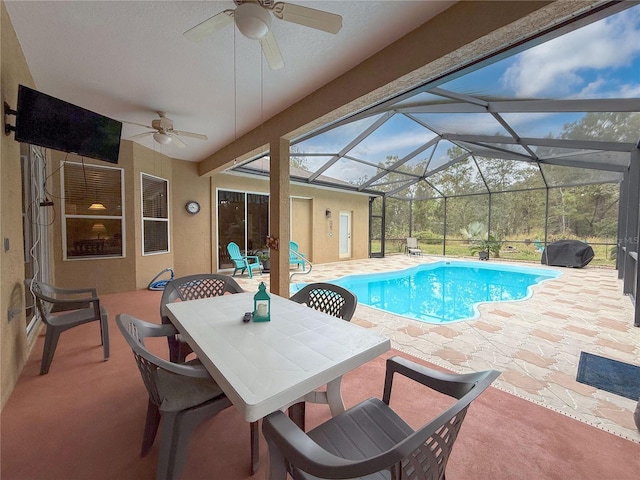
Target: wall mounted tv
[(49, 122)]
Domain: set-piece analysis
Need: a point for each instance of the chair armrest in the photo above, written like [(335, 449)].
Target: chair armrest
[(252, 257), (160, 330), (73, 291), (453, 384), (310, 457)]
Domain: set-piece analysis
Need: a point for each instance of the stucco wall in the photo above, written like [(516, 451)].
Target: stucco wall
[(191, 233), (14, 345)]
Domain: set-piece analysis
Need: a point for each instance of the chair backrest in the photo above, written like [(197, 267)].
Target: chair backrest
[(134, 332), (234, 254), (293, 247), (431, 445), (328, 298), (412, 242), (50, 299), (192, 287)]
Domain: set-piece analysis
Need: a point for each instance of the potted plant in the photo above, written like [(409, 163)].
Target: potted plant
[(263, 256), (485, 247)]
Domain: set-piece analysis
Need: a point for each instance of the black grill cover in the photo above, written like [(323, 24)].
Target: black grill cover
[(567, 253)]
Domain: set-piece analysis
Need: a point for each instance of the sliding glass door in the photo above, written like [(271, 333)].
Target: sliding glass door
[(243, 218)]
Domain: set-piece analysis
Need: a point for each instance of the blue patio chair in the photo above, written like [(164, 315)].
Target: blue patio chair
[(539, 246), (243, 262), (294, 255)]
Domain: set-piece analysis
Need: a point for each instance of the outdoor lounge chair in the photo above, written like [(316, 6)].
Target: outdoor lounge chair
[(295, 257), (412, 246), (243, 262), (75, 306), (370, 440)]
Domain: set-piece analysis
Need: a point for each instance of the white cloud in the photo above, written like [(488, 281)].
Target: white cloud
[(558, 67), (392, 145)]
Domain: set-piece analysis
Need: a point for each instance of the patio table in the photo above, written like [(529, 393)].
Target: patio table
[(267, 366)]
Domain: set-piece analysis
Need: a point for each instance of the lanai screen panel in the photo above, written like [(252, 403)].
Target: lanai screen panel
[(503, 175), (393, 140)]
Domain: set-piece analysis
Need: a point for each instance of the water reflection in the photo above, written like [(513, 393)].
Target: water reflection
[(440, 292)]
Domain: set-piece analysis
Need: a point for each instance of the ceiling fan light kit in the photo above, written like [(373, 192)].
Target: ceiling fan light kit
[(162, 138), (252, 20)]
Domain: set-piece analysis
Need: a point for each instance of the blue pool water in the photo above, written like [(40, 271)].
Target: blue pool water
[(445, 291)]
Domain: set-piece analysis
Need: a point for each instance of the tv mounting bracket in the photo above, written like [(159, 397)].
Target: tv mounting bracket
[(8, 111)]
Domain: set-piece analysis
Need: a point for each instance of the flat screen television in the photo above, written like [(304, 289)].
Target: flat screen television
[(53, 123)]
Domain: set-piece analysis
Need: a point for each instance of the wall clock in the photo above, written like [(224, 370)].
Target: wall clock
[(192, 207)]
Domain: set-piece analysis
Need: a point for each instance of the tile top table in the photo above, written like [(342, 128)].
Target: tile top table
[(267, 366)]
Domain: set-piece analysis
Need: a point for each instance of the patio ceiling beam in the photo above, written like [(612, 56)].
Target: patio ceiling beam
[(543, 142), (588, 165), (488, 151), (528, 106)]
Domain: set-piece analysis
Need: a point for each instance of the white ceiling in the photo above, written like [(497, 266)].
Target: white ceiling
[(129, 59)]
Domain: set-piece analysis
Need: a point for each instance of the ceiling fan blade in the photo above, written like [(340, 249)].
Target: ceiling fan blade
[(192, 135), (309, 17), (271, 51), (209, 26), (140, 135), (138, 124), (176, 141)]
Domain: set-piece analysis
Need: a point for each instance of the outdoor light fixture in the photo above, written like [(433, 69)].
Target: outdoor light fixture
[(327, 213)]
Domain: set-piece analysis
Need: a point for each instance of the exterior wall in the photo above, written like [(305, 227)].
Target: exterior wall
[(134, 271), (321, 245), (191, 233), (14, 345)]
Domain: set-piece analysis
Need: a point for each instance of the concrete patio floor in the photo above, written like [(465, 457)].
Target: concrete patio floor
[(536, 343)]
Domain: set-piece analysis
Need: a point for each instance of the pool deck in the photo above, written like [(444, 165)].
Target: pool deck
[(535, 343)]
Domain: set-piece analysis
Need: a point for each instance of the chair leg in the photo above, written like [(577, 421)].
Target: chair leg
[(150, 427), (177, 428), (254, 428), (50, 343), (104, 331), (297, 413)]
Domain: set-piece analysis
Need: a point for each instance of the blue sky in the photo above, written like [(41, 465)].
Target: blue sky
[(601, 60)]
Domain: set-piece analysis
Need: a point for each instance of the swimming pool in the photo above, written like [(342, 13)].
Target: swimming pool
[(445, 291)]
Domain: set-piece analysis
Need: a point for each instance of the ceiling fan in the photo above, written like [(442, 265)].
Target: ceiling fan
[(164, 133), (254, 21)]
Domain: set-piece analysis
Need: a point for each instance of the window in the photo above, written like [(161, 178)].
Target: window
[(155, 215), (93, 211)]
